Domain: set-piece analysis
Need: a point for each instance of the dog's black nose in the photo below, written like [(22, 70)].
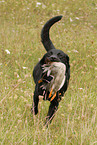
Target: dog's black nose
[(54, 58)]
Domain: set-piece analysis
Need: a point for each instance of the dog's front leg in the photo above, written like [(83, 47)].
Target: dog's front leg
[(52, 110), (35, 101)]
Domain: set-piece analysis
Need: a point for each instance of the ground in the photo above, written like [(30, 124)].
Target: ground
[(21, 22)]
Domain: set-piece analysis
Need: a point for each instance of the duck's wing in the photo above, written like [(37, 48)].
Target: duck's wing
[(46, 78)]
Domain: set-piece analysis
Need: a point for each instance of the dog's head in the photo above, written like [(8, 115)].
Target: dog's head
[(55, 55)]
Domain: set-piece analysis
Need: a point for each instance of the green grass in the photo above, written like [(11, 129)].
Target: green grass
[(75, 122)]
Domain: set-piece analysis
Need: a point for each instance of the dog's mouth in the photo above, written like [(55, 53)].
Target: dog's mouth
[(52, 58), (47, 60)]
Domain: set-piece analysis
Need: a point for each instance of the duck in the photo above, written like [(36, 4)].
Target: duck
[(53, 79)]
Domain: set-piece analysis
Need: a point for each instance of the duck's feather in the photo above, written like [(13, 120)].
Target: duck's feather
[(53, 78)]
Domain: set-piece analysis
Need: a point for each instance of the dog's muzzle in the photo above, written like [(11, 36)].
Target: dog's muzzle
[(52, 58)]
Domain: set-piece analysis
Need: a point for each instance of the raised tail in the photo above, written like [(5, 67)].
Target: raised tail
[(45, 38)]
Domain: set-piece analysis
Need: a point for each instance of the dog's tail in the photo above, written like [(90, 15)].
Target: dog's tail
[(45, 33)]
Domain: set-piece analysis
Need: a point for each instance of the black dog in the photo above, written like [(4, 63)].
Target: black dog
[(52, 55)]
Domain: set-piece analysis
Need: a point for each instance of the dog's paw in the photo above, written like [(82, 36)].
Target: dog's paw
[(34, 111)]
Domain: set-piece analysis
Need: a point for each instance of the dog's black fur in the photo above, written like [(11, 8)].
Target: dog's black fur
[(54, 55)]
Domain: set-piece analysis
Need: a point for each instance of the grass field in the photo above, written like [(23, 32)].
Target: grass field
[(21, 21)]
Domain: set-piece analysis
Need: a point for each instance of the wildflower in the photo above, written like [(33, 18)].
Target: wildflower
[(7, 51), (24, 67), (38, 4), (77, 18), (71, 20)]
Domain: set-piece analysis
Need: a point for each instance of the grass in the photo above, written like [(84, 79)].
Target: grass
[(75, 122)]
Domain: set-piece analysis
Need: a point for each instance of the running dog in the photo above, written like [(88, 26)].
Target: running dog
[(51, 74)]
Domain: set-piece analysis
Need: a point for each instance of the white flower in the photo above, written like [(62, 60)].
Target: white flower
[(68, 51), (75, 51), (38, 4), (80, 88), (71, 20), (24, 67), (77, 18), (7, 51), (17, 76)]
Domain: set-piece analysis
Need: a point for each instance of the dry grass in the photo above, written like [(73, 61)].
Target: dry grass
[(75, 122)]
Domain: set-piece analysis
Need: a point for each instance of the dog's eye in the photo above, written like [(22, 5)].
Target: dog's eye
[(60, 55), (50, 53)]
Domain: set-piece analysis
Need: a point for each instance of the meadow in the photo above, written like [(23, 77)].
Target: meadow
[(21, 21)]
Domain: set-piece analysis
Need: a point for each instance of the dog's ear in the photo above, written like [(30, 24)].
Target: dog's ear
[(67, 58), (48, 54), (42, 61)]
